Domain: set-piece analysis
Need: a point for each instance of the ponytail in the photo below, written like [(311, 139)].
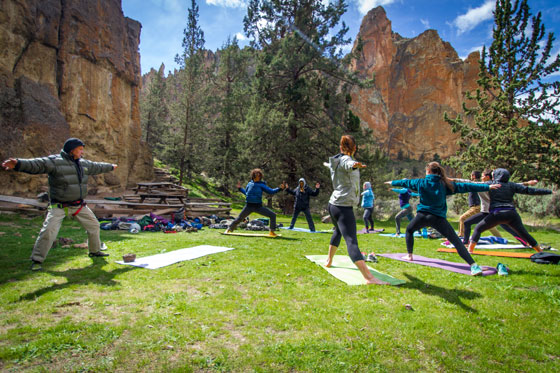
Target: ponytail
[(436, 169)]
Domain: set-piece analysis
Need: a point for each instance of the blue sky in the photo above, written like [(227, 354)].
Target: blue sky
[(466, 24)]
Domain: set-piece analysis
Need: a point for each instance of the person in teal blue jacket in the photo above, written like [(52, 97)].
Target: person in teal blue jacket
[(368, 200), (432, 209)]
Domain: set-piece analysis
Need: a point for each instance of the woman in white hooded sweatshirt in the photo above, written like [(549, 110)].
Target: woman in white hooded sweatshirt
[(345, 176)]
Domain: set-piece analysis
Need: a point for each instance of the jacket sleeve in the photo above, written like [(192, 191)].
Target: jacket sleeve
[(347, 163), (522, 189), (399, 190), (414, 194), (43, 165), (242, 190), (407, 183), (96, 168), (470, 187), (290, 191), (314, 193), (269, 190)]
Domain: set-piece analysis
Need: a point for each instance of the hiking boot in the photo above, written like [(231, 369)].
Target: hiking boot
[(97, 254), (476, 270), (36, 266), (371, 258), (272, 234), (502, 269)]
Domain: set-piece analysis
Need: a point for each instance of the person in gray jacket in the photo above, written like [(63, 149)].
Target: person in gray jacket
[(345, 176), (68, 175)]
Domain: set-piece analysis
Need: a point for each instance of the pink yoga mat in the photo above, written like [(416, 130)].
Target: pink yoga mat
[(463, 268)]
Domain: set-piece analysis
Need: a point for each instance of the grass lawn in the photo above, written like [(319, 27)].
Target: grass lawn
[(264, 307)]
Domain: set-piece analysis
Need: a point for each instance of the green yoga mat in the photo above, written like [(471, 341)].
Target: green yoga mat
[(343, 269)]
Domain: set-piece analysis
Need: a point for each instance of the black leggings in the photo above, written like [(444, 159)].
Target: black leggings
[(368, 216), (307, 216), (475, 219), (424, 219), (345, 225), (509, 217), (258, 208)]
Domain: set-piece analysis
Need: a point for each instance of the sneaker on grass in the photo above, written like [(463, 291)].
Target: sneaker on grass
[(476, 270), (371, 258), (36, 266), (502, 269)]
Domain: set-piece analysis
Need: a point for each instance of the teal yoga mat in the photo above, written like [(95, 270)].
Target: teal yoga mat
[(343, 269)]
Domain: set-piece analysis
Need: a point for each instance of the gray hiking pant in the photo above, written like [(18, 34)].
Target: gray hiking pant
[(52, 224), (404, 212)]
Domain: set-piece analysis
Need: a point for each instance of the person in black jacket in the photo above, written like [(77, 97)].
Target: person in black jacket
[(68, 176), (502, 209), (302, 194)]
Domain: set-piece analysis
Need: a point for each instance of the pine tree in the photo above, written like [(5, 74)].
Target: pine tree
[(228, 103), (513, 120), (153, 111), (186, 114), (300, 106)]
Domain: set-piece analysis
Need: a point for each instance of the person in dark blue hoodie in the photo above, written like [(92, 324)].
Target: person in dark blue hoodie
[(432, 209), (302, 194), (253, 201), (502, 209)]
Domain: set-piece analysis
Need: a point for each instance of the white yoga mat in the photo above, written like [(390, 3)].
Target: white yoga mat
[(165, 259), (495, 246)]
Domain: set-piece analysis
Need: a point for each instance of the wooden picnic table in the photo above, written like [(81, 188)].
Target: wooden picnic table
[(163, 197), (159, 186)]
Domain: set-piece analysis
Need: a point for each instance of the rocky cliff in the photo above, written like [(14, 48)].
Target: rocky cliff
[(416, 81), (70, 68)]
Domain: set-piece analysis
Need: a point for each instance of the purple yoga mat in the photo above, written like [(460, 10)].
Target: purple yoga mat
[(363, 231), (463, 268)]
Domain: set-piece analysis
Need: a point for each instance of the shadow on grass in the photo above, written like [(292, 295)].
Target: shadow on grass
[(516, 272), (92, 274), (450, 295)]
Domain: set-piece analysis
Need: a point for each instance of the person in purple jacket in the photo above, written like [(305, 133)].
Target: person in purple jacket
[(253, 201), (432, 209), (406, 209)]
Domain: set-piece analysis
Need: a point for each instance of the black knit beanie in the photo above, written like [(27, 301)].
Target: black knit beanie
[(71, 144)]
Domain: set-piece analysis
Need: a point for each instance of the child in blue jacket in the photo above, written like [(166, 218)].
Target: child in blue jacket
[(368, 204), (253, 201), (432, 209)]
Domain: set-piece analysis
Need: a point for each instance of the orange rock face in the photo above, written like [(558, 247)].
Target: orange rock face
[(67, 69), (415, 82)]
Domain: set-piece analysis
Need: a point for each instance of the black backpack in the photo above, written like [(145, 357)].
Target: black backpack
[(545, 258)]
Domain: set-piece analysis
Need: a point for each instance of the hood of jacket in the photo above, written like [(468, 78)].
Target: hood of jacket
[(304, 182), (501, 175)]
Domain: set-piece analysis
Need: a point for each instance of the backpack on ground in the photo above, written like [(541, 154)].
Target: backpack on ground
[(545, 258)]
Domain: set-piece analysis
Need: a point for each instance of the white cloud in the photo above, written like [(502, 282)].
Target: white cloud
[(473, 17), (365, 6), (240, 36), (227, 3), (425, 22)]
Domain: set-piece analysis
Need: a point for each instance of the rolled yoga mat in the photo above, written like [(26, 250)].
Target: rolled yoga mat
[(343, 269), (463, 268), (491, 253)]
